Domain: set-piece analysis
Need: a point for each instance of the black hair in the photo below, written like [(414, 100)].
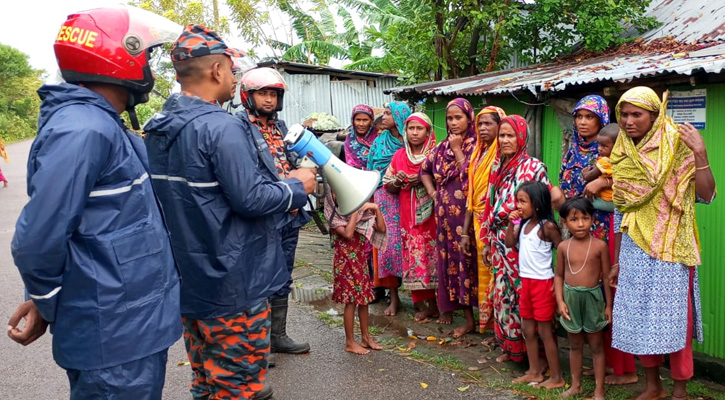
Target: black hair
[(193, 68), (540, 198), (610, 131), (576, 203)]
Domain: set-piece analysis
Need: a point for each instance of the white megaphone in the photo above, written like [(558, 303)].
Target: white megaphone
[(352, 187)]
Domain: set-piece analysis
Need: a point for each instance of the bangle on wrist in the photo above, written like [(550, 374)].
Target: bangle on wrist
[(465, 236), (704, 167)]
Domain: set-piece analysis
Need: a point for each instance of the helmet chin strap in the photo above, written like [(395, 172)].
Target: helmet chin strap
[(133, 99)]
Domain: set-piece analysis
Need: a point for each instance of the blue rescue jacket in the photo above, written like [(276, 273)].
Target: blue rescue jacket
[(91, 244), (220, 207), (269, 169)]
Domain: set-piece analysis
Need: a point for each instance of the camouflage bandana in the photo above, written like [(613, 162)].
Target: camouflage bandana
[(199, 41)]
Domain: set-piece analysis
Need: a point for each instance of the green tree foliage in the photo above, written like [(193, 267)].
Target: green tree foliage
[(19, 102), (443, 39)]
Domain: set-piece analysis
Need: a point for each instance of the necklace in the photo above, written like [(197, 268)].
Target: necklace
[(585, 258)]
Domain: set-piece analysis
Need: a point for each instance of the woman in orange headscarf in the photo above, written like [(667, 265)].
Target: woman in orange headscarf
[(487, 122)]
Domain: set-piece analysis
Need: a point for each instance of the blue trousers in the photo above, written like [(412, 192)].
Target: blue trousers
[(290, 237), (141, 379)]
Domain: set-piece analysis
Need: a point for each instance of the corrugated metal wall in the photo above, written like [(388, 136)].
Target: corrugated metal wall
[(317, 93), (306, 94), (349, 93)]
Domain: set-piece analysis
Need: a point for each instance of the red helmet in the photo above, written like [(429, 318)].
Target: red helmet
[(113, 45), (261, 78)]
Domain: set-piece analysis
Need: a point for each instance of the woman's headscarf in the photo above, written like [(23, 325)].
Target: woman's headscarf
[(357, 148), (422, 204), (653, 184), (481, 162), (499, 171), (581, 154), (415, 160), (386, 144), (449, 167)]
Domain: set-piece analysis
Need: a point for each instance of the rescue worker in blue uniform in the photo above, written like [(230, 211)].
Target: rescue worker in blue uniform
[(221, 212), (262, 95), (91, 244)]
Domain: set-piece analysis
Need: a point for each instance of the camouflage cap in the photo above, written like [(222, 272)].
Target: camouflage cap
[(199, 41)]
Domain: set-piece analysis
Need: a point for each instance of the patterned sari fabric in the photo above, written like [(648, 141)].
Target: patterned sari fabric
[(654, 193), (506, 176), (457, 276), (581, 155), (478, 172), (417, 224), (357, 148), (390, 263)]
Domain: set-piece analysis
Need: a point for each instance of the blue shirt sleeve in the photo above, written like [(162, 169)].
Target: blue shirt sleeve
[(249, 192), (64, 164)]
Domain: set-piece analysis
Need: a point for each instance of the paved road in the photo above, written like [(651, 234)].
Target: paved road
[(327, 373)]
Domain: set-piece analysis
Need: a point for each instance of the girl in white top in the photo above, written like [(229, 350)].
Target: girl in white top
[(532, 229)]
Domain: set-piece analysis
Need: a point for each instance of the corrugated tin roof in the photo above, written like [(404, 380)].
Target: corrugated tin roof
[(557, 77), (688, 21), (322, 69), (701, 21)]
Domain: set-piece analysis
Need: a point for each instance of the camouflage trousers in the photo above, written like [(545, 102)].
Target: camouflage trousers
[(228, 355)]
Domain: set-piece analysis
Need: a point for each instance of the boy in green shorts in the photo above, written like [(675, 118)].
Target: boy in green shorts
[(580, 263)]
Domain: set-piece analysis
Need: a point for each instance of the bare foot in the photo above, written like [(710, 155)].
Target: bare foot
[(652, 395), (625, 379), (528, 378), (489, 341), (599, 394), (392, 309), (503, 358), (572, 391), (590, 371), (552, 384), (5, 184), (422, 315), (368, 343), (462, 330), (356, 348), (446, 318)]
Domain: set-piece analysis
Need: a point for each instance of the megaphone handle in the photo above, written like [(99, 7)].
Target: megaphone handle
[(320, 179)]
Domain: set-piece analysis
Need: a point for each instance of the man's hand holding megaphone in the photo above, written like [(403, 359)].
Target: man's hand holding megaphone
[(308, 177)]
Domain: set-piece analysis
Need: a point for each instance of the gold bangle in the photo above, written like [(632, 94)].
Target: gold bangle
[(702, 168)]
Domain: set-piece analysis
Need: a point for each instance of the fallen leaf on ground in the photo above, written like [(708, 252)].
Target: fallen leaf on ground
[(431, 338), (180, 363), (463, 388), (482, 361), (474, 368), (381, 369), (424, 385)]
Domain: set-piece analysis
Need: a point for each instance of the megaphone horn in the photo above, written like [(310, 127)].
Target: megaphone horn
[(352, 187)]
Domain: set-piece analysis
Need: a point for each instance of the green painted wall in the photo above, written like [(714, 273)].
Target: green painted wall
[(551, 137), (712, 235)]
